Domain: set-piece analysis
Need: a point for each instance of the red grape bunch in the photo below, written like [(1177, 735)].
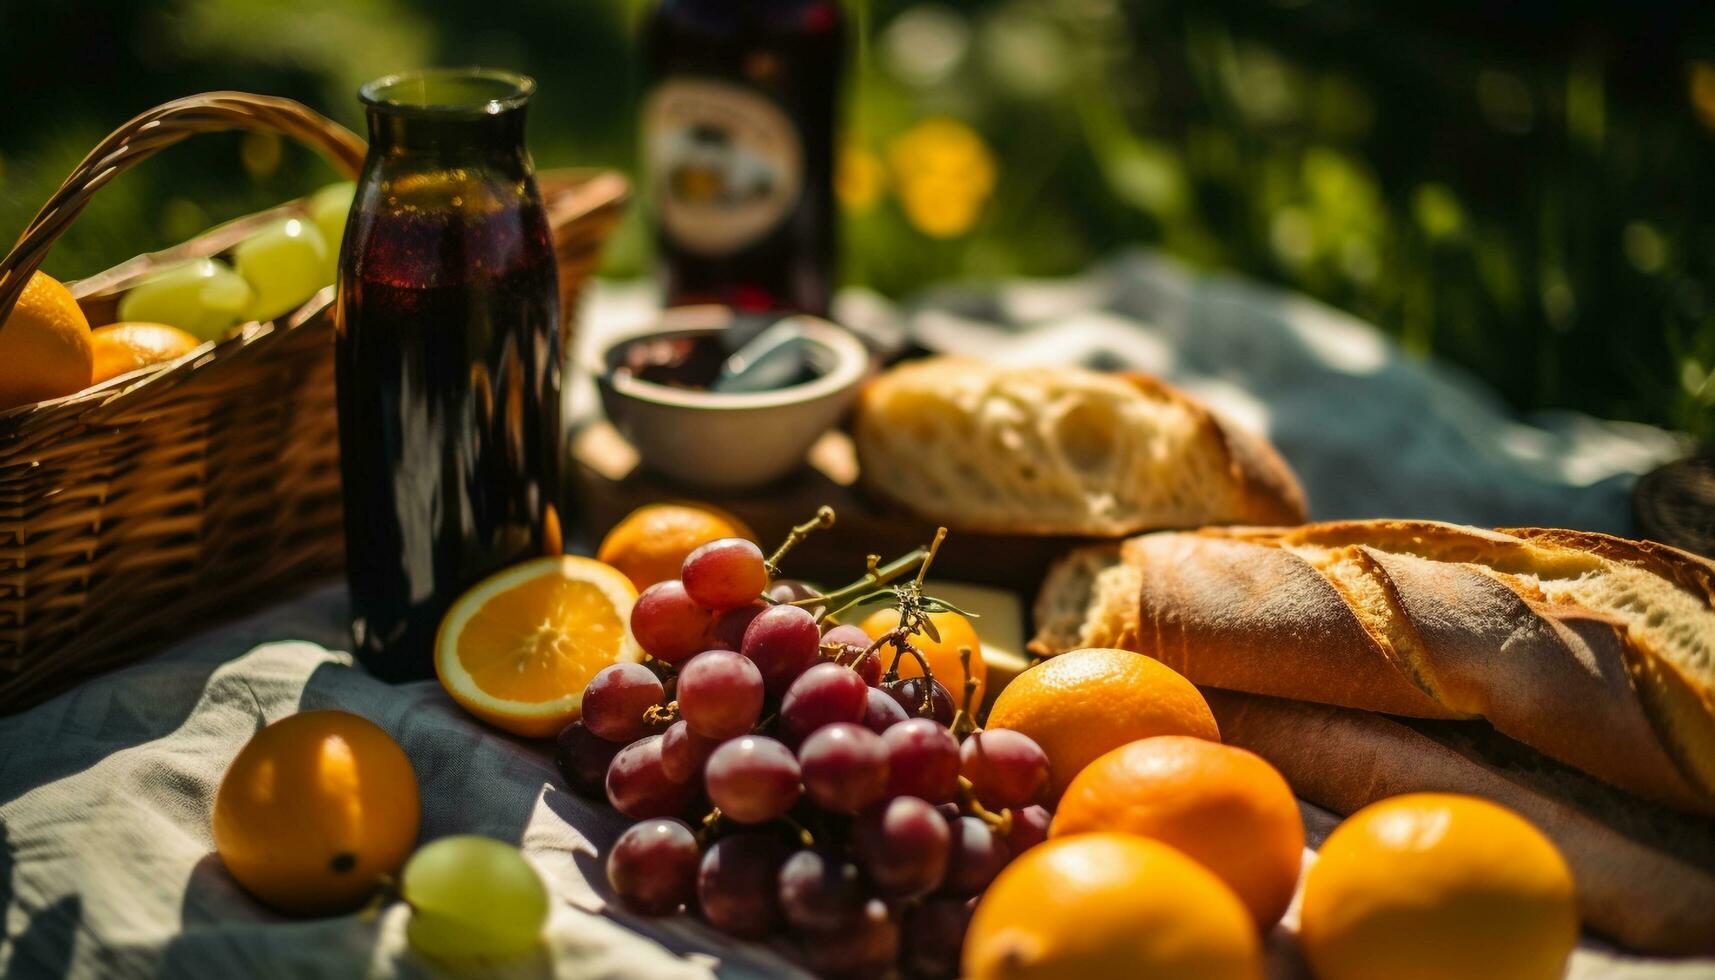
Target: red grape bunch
[(784, 785)]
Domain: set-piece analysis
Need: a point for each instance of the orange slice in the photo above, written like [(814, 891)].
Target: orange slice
[(518, 648)]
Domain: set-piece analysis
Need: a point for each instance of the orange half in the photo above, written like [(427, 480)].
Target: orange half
[(518, 648)]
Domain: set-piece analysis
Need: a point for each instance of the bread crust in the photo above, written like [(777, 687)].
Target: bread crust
[(1646, 881), (1269, 492), (1420, 619), (1262, 487)]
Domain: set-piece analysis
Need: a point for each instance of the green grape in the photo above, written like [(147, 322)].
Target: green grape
[(285, 263), (473, 897), (328, 208), (201, 296)]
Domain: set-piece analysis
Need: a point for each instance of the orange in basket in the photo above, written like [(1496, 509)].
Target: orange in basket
[(518, 648), (121, 348), (44, 345)]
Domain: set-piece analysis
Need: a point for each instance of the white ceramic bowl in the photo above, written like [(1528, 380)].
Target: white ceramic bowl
[(723, 441)]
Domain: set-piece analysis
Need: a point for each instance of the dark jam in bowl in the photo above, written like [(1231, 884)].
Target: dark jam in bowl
[(693, 362)]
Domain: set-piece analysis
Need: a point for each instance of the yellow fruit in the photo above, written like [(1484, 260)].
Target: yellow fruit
[(1101, 906), (121, 348), (314, 810), (1436, 886), (44, 345), (943, 654), (1082, 704), (518, 648), (652, 541), (1224, 807)]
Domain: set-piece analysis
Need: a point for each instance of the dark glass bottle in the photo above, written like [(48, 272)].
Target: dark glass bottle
[(447, 358), (738, 146)]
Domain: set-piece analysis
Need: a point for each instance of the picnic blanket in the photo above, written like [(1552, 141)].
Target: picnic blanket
[(106, 860)]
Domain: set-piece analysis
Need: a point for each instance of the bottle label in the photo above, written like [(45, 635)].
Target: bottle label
[(725, 164)]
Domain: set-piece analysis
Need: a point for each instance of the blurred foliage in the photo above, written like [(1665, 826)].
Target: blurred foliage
[(1521, 188)]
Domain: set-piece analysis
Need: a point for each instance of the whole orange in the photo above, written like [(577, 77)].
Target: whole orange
[(1109, 906), (1226, 808), (121, 348), (1082, 704), (45, 347), (943, 654), (314, 810), (651, 542), (1433, 886)]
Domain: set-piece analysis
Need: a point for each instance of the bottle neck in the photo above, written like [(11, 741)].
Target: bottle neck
[(496, 137)]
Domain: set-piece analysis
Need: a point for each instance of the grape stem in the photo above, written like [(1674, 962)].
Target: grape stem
[(964, 721), (1000, 823), (835, 602), (934, 548), (708, 824), (824, 519), (900, 638), (805, 838)]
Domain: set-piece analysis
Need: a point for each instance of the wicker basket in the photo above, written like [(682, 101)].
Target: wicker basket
[(147, 506)]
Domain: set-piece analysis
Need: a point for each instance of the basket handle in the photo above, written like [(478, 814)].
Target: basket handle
[(154, 130)]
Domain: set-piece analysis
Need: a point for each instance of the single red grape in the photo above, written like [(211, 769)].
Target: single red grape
[(726, 630), (844, 767), (724, 573), (738, 884), (653, 866), (824, 694), (683, 753), (820, 892), (922, 760), (1006, 768), (974, 858), (667, 624), (638, 785), (1029, 828), (616, 698), (783, 641), (720, 694), (881, 712), (583, 759), (908, 691), (753, 779), (902, 846)]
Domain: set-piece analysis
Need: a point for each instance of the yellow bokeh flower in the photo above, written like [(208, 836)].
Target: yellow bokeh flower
[(859, 179), (944, 174), (1703, 91)]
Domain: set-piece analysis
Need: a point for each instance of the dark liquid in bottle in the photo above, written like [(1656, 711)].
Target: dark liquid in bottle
[(738, 133), (449, 399)]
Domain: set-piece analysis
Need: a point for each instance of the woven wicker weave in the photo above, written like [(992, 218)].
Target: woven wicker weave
[(145, 507)]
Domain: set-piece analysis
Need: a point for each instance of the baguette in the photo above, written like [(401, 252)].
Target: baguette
[(1645, 877), (1594, 650), (1061, 451)]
